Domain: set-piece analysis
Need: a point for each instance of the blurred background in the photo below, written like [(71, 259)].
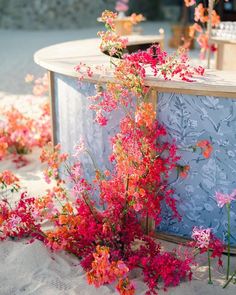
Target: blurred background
[(71, 14)]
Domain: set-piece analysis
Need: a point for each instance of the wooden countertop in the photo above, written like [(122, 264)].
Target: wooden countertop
[(63, 58), (222, 40)]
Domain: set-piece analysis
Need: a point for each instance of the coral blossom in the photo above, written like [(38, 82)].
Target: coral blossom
[(189, 2), (206, 148), (205, 240)]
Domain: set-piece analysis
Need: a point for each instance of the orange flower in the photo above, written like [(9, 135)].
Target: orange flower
[(29, 78), (206, 147), (194, 28), (68, 208), (104, 271), (125, 287), (183, 171), (1, 220), (3, 149), (215, 18), (63, 219), (136, 18), (189, 2), (42, 203), (145, 115), (200, 13), (8, 178)]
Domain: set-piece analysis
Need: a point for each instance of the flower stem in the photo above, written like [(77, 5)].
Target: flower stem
[(228, 235), (209, 267), (229, 280)]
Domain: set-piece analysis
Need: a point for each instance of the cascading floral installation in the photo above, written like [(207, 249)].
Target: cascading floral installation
[(201, 17), (107, 235)]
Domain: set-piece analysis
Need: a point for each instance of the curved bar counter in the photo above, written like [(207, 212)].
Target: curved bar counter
[(204, 109)]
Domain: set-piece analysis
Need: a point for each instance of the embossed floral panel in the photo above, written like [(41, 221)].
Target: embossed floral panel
[(75, 121), (189, 119)]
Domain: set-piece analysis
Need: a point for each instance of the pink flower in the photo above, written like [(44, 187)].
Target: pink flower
[(223, 199), (137, 207), (100, 119), (14, 221), (122, 5), (201, 236), (79, 148)]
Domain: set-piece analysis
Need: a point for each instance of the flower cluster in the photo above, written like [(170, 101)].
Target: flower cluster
[(40, 85), (136, 18), (53, 159), (19, 222), (112, 43), (8, 179), (20, 133), (168, 267), (104, 271), (205, 240), (206, 148)]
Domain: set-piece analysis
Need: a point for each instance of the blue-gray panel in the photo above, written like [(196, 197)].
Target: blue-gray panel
[(189, 119), (75, 120)]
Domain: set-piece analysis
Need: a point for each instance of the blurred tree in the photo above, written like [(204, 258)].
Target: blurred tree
[(151, 9)]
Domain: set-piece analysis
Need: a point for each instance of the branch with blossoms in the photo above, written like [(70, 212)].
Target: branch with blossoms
[(130, 71), (198, 30)]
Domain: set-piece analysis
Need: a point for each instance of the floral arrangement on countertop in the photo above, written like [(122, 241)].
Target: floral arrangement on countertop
[(199, 28), (19, 132), (99, 220)]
